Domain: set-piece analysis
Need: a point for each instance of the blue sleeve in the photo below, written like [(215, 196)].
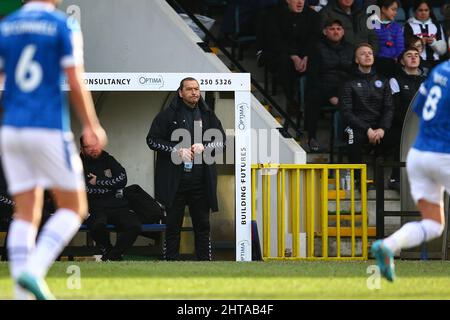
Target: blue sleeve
[(2, 55), (71, 43)]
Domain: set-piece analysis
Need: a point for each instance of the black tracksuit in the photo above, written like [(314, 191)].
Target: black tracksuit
[(176, 188), (329, 66), (107, 205), (404, 87), (366, 102), (289, 33)]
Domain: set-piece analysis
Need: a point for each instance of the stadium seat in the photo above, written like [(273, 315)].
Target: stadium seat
[(438, 14), (238, 40), (401, 16)]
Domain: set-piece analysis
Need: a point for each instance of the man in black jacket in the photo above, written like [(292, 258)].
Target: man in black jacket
[(354, 21), (290, 33), (367, 107), (184, 175), (404, 87), (330, 66), (105, 180)]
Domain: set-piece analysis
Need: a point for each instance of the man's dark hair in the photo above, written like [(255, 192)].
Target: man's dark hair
[(406, 50), (184, 80)]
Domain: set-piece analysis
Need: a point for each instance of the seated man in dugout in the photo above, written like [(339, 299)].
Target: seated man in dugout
[(105, 180)]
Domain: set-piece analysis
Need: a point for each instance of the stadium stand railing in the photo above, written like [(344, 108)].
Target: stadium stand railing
[(304, 196)]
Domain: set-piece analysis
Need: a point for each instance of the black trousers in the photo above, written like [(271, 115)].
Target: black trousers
[(284, 69), (125, 221), (358, 140), (191, 193), (316, 98)]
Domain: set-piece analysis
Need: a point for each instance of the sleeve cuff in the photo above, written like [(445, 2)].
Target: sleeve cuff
[(68, 61)]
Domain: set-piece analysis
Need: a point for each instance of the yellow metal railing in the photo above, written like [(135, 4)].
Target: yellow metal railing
[(303, 194)]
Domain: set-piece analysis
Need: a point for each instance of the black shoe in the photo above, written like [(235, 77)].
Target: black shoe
[(394, 184), (314, 146), (110, 256)]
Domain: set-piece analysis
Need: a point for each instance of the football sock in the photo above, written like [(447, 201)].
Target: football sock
[(20, 243), (55, 235), (413, 234)]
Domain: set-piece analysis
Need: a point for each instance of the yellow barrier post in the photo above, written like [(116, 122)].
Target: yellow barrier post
[(312, 211), (352, 210), (324, 213), (265, 220), (296, 221), (254, 171), (364, 211), (283, 204), (280, 229), (338, 213)]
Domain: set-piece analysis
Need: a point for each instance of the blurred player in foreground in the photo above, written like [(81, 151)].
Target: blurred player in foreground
[(428, 167), (38, 44)]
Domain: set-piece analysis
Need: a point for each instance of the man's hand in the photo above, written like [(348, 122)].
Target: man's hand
[(379, 135), (95, 136), (303, 64), (93, 178), (334, 101), (186, 155), (427, 40), (297, 63), (372, 136), (197, 148)]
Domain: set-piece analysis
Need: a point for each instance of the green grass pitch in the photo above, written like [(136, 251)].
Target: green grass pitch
[(233, 280)]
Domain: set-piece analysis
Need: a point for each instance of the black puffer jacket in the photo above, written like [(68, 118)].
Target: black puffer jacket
[(167, 173), (111, 179), (289, 33), (355, 24), (330, 65), (404, 87), (366, 101)]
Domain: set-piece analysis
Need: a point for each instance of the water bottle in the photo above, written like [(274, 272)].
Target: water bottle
[(119, 194), (188, 166), (348, 178)]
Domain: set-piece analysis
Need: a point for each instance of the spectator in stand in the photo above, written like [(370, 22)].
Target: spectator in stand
[(390, 38), (416, 42), (403, 86), (354, 21), (429, 30), (292, 31), (247, 11), (330, 65), (367, 107)]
